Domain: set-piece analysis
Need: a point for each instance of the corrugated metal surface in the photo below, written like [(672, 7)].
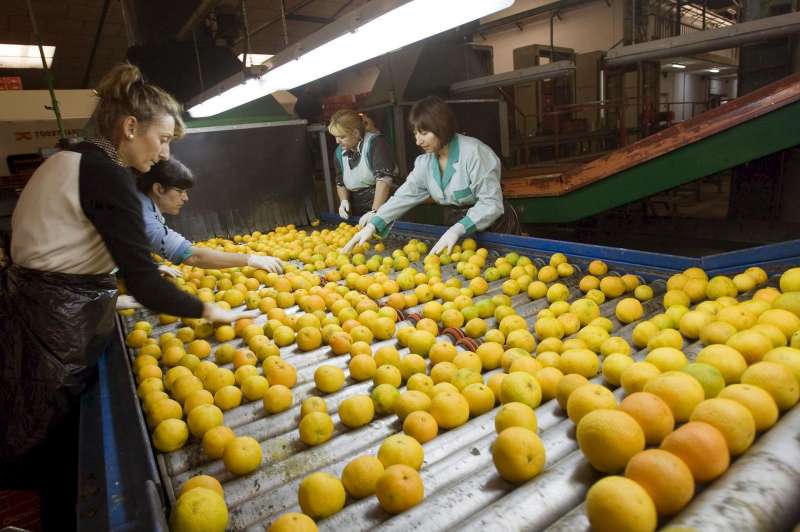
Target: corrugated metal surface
[(462, 489)]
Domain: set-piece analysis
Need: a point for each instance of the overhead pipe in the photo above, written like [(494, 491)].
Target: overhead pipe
[(706, 41)]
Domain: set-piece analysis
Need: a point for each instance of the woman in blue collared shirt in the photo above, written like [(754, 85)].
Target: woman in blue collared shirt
[(165, 189), (458, 172)]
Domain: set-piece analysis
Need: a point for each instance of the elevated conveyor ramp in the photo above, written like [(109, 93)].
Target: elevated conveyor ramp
[(763, 122)]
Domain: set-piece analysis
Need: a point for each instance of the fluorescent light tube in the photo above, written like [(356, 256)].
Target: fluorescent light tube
[(678, 65), (714, 70), (24, 56), (403, 23)]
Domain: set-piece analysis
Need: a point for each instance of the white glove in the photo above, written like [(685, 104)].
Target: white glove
[(167, 270), (217, 314), (364, 220), (125, 302), (344, 209), (359, 238), (270, 264), (449, 239)]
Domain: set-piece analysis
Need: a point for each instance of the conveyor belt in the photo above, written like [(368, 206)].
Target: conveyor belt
[(462, 488)]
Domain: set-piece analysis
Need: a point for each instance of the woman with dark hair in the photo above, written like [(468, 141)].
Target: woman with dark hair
[(165, 189), (458, 172)]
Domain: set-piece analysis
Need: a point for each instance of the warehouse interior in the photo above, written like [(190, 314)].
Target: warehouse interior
[(646, 140)]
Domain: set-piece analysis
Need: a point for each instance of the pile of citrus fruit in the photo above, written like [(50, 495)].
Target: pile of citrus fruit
[(461, 350)]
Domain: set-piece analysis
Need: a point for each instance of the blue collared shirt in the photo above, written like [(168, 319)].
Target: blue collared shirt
[(165, 242)]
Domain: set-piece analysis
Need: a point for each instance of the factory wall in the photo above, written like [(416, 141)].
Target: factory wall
[(570, 31)]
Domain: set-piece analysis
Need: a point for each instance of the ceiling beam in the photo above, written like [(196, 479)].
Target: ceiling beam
[(308, 18)]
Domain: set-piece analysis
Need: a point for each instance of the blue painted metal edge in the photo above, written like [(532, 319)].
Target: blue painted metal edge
[(770, 256), (117, 514)]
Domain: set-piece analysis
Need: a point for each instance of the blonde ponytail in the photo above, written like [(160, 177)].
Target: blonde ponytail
[(346, 122), (123, 92)]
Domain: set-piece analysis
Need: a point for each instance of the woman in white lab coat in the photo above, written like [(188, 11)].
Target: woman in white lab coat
[(364, 164), (458, 172)]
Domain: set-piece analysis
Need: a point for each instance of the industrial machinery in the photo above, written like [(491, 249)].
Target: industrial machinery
[(130, 486)]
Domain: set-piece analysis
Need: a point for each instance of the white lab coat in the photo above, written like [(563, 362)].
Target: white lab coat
[(471, 178)]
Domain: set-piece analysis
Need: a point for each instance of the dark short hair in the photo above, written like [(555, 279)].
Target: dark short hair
[(170, 174), (432, 114)]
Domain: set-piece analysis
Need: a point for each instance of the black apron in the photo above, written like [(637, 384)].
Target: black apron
[(361, 200), (53, 328), (508, 222)]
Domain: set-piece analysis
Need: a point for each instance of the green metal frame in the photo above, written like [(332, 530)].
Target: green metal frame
[(265, 109), (767, 134)]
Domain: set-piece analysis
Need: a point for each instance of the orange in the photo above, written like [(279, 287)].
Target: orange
[(522, 387), (313, 404), (666, 359), (316, 428), (293, 522), (358, 410), (652, 414), (637, 375), (199, 509), (203, 418), (615, 503), (702, 447), (680, 391), (421, 426), (609, 438), (752, 344), (362, 367), (278, 371), (360, 476), (588, 398), (788, 356), (480, 398), (760, 403), (568, 384), (726, 359), (518, 454), (215, 440), (664, 477), (411, 401), (399, 488), (202, 481), (277, 399), (242, 455), (450, 409), (321, 495), (515, 415), (733, 420), (548, 379), (328, 378), (777, 380), (401, 449)]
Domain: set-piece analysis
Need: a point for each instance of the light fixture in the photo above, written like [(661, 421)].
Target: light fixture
[(714, 70), (24, 56), (678, 65), (376, 28), (255, 59)]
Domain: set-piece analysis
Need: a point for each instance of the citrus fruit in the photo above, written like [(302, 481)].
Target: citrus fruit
[(518, 454)]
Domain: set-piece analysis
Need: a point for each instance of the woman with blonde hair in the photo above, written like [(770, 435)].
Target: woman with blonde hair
[(364, 165), (78, 222)]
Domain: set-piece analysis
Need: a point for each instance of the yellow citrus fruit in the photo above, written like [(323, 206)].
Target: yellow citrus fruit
[(316, 428), (664, 477), (399, 488), (401, 449), (170, 434), (753, 345), (480, 398), (228, 397), (384, 397), (521, 387), (788, 322), (362, 367), (321, 495), (293, 522), (666, 359), (716, 332), (581, 361), (360, 476), (702, 448), (387, 374), (548, 379), (277, 399), (199, 509), (777, 380), (617, 503), (313, 404), (614, 365), (357, 411), (760, 403), (652, 414), (680, 391), (450, 409), (242, 455), (204, 418), (609, 438), (733, 420), (215, 440), (202, 481), (254, 387), (329, 378), (726, 359), (421, 426), (629, 310), (164, 409), (518, 454), (708, 376), (200, 397), (788, 356), (588, 398), (568, 384)]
